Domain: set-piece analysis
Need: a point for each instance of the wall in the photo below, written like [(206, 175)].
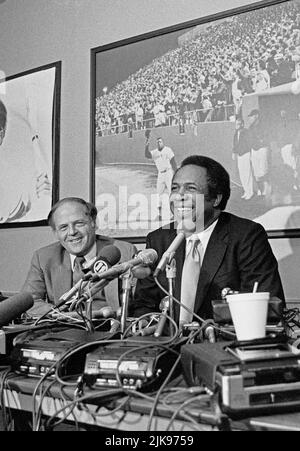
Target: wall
[(38, 32)]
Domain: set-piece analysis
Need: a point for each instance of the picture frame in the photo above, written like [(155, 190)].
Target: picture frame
[(188, 85), (29, 145)]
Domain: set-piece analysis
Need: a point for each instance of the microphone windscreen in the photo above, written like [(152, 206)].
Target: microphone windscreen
[(111, 254), (14, 306), (141, 272), (148, 256)]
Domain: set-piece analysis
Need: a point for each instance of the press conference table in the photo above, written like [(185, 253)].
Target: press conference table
[(135, 414)]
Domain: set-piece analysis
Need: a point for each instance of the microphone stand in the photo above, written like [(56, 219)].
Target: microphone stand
[(126, 289), (89, 314), (171, 275), (89, 301)]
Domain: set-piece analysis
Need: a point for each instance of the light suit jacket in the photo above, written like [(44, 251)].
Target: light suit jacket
[(50, 274)]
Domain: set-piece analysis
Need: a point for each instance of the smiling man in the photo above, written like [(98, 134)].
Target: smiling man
[(56, 268), (226, 250)]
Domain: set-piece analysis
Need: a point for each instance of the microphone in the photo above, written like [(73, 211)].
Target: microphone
[(108, 257), (105, 312), (145, 257), (164, 306), (141, 272), (14, 306), (185, 228), (209, 332)]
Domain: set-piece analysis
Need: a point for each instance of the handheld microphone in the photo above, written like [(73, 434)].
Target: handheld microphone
[(209, 332), (185, 228), (141, 272), (164, 306), (147, 331), (108, 257), (145, 257), (14, 306), (105, 312)]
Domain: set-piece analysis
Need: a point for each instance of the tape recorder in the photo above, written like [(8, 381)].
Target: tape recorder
[(130, 364), (36, 352), (255, 377)]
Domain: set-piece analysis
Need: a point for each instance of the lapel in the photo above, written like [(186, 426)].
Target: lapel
[(179, 259), (61, 275), (213, 258)]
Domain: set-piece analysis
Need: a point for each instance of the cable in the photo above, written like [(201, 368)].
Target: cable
[(187, 308), (3, 378), (172, 338), (39, 412), (183, 393), (177, 411), (103, 393), (112, 411), (160, 391), (41, 380)]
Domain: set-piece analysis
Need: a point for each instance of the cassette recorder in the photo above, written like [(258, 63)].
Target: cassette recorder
[(257, 377), (36, 352), (130, 365)]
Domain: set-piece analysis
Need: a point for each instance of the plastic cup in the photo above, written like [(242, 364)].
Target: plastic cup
[(249, 314)]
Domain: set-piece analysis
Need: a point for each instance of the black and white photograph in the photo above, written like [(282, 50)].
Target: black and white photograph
[(149, 218), (226, 88), (28, 135)]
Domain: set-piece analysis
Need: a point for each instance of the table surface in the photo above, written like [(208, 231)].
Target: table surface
[(135, 414)]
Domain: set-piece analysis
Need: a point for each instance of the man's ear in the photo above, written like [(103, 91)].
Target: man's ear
[(218, 200)]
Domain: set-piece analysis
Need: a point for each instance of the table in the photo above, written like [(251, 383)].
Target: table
[(135, 414)]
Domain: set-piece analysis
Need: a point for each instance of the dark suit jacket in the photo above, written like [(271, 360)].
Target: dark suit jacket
[(238, 254), (50, 273), (242, 145)]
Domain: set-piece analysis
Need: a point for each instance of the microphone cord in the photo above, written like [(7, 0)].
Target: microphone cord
[(147, 315), (202, 321)]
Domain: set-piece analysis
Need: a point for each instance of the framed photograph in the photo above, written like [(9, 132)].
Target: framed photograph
[(226, 86), (29, 145)]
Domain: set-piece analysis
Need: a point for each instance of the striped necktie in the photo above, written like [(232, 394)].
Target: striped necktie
[(189, 280), (78, 269)]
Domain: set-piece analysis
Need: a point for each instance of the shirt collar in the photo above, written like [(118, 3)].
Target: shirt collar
[(88, 257), (204, 235)]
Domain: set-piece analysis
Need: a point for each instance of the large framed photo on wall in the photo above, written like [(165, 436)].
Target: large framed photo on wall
[(226, 86), (29, 145)]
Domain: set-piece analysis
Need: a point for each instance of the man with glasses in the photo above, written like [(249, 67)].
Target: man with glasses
[(223, 251)]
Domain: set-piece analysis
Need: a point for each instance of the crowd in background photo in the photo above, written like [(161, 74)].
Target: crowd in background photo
[(206, 77)]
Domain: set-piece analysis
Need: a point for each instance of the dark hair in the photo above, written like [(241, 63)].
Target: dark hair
[(91, 209), (217, 177), (3, 116)]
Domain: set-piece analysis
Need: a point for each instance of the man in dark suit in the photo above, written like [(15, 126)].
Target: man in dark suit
[(52, 269), (234, 252), (241, 153)]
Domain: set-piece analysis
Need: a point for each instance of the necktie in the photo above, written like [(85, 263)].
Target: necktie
[(78, 271), (189, 281)]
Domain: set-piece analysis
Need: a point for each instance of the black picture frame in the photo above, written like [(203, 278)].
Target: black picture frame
[(30, 103), (117, 146)]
